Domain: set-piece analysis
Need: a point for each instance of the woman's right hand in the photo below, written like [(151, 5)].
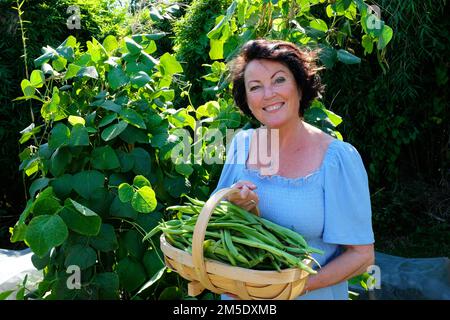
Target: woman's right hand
[(247, 199)]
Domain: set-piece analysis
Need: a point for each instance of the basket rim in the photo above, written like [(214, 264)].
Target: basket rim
[(234, 272)]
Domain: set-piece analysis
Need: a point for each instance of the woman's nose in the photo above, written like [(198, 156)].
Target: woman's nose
[(268, 92)]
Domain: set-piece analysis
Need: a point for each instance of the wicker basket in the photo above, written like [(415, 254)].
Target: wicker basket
[(247, 284)]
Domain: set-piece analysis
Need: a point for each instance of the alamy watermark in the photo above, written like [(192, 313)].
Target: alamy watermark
[(374, 279), (374, 19), (210, 145), (74, 280), (74, 21)]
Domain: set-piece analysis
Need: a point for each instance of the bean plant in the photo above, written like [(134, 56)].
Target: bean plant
[(98, 160)]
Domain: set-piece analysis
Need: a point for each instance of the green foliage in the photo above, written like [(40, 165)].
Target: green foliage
[(300, 22), (84, 168), (399, 119), (105, 157), (44, 23), (192, 45)]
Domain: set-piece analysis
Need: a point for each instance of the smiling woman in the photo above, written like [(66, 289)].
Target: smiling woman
[(297, 63), (319, 187)]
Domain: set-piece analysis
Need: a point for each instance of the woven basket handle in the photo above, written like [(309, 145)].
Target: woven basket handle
[(199, 234)]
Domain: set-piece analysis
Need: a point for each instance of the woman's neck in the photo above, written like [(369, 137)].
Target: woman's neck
[(289, 135)]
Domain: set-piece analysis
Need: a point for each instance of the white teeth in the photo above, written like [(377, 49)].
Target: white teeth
[(274, 107)]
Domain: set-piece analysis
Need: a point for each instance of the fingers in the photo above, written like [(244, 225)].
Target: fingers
[(244, 192), (242, 183), (246, 199)]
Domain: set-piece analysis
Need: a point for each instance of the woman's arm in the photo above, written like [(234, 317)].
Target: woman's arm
[(352, 262)]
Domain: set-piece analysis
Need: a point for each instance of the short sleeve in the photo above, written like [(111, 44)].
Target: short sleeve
[(348, 212), (236, 156)]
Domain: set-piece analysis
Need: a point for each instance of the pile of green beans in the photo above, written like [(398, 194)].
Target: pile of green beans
[(238, 237)]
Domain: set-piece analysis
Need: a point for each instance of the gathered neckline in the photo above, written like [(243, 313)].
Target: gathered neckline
[(283, 178)]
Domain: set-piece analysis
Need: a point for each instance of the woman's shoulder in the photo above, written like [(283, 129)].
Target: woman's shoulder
[(341, 152)]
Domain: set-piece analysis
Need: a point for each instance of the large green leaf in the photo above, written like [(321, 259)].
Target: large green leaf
[(59, 135), (367, 43), (59, 161), (319, 24), (182, 119), (108, 285), (152, 262), (156, 276), (208, 110), (144, 200), (141, 181), (170, 64), (62, 185), (107, 119), (149, 221), (37, 79), (132, 117), (346, 57), (216, 50), (100, 201), (85, 183), (81, 256), (45, 232), (111, 106), (114, 130), (40, 263), (59, 64), (385, 37), (184, 169), (72, 71), (80, 218), (89, 72), (74, 120), (110, 43), (125, 192), (106, 239), (122, 210), (140, 79), (142, 162), (27, 88), (104, 158), (18, 232), (38, 185), (46, 203), (79, 136), (131, 242), (131, 274), (133, 47), (117, 78), (132, 135), (176, 186), (126, 161), (148, 61)]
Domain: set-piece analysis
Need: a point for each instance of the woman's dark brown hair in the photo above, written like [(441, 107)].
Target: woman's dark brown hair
[(300, 63)]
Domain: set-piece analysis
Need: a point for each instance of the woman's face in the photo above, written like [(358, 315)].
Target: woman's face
[(272, 93)]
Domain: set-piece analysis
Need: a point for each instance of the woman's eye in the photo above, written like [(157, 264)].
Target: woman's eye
[(253, 88), (280, 80)]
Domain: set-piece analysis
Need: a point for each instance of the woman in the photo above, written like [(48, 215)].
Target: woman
[(319, 187)]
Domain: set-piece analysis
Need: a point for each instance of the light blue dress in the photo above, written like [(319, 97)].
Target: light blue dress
[(329, 207)]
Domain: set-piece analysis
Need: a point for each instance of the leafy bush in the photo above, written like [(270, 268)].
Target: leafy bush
[(192, 45), (100, 164), (94, 164), (398, 118), (44, 24)]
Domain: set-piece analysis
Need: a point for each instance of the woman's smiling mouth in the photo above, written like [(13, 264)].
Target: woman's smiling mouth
[(274, 107)]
